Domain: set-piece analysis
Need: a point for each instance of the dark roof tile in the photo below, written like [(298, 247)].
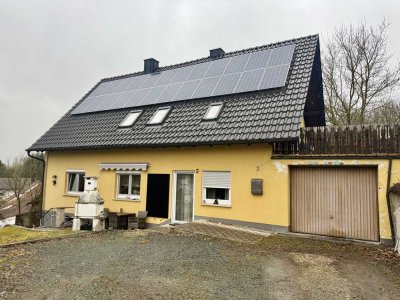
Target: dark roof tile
[(260, 116)]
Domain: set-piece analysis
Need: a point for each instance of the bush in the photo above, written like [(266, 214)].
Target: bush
[(395, 189)]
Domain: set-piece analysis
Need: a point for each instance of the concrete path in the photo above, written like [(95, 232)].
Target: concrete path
[(227, 232)]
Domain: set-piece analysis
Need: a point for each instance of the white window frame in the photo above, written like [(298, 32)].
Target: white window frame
[(138, 112), (128, 196), (206, 118), (152, 122), (73, 171), (221, 202)]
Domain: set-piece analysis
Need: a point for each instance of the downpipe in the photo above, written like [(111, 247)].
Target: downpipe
[(389, 176), (43, 169)]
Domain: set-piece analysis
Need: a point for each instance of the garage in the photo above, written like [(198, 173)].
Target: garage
[(335, 201)]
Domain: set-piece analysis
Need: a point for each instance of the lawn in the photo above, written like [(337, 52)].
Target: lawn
[(14, 234)]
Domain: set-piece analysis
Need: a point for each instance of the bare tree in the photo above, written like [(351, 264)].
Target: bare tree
[(387, 113), (22, 181), (357, 73), (3, 169)]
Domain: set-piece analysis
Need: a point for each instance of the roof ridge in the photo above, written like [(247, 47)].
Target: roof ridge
[(207, 58)]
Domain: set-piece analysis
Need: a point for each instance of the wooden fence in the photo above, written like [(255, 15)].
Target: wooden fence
[(343, 140)]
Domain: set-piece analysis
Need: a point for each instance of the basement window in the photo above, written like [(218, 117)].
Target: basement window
[(128, 186), (213, 111), (217, 188), (159, 116), (130, 118), (75, 181)]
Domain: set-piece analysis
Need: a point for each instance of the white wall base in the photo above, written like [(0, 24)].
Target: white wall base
[(76, 224), (98, 225)]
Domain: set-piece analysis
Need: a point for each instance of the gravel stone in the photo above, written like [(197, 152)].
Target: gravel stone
[(180, 265)]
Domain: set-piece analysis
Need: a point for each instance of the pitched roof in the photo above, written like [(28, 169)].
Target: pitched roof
[(252, 117)]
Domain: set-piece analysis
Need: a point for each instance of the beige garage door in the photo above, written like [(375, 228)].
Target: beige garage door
[(335, 201)]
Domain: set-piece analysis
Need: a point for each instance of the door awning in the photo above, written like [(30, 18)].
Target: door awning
[(124, 166)]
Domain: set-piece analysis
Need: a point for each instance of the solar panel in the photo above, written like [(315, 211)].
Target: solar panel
[(151, 80), (282, 55), (218, 67), (82, 108), (123, 85), (169, 92), (166, 77), (103, 102), (274, 77), (187, 90), (182, 74), (237, 64), (137, 82), (199, 71), (152, 95), (206, 87), (249, 81), (226, 84), (136, 99), (91, 105), (122, 99), (258, 60), (102, 88), (258, 70)]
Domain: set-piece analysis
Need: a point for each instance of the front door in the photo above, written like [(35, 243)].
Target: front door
[(184, 197), (157, 199)]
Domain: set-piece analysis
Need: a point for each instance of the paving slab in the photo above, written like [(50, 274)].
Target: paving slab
[(227, 232)]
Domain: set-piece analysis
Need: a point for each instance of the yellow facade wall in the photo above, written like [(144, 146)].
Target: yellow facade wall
[(243, 161)]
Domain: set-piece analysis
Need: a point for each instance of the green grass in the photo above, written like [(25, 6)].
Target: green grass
[(14, 234)]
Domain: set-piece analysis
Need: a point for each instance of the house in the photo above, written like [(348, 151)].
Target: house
[(28, 190), (205, 139)]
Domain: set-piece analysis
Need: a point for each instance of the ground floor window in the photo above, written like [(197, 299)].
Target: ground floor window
[(128, 186), (75, 181), (217, 188)]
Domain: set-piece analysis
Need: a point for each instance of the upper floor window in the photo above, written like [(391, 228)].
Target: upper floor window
[(75, 181), (130, 118), (159, 115), (213, 111)]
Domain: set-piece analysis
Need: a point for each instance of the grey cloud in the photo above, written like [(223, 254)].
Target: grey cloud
[(53, 52)]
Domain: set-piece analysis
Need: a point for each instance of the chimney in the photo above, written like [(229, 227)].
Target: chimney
[(216, 52), (150, 65)]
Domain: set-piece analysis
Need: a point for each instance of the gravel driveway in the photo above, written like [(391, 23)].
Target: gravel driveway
[(151, 265)]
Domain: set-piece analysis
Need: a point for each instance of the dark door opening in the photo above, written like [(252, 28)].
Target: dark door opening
[(157, 195)]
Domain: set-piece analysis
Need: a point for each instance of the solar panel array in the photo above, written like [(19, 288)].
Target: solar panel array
[(254, 71)]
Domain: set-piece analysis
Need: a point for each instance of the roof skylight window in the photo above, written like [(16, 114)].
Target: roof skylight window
[(159, 116), (213, 111), (130, 118)]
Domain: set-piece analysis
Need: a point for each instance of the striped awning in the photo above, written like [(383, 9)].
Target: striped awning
[(124, 166)]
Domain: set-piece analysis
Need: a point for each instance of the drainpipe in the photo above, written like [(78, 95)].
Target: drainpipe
[(43, 169), (388, 200)]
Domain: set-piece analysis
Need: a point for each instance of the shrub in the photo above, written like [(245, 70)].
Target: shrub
[(395, 189)]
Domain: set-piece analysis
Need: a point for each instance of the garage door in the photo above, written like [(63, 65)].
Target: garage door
[(335, 201)]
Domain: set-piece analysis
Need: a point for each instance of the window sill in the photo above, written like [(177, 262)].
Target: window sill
[(72, 194), (216, 205), (126, 199)]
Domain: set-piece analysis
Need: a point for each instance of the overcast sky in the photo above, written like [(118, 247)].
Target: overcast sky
[(52, 52)]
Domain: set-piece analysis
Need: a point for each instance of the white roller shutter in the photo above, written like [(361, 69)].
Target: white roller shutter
[(217, 179)]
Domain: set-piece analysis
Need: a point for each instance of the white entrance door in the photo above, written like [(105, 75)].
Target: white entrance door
[(183, 197)]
